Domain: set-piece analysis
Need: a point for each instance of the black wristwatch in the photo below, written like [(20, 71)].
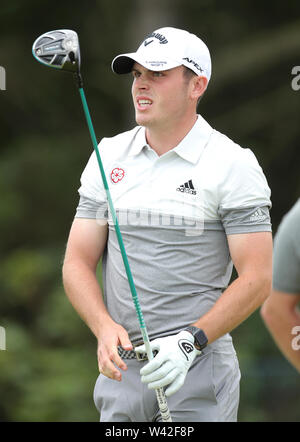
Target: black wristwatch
[(199, 335)]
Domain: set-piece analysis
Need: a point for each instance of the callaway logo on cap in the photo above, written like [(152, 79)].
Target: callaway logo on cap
[(167, 48)]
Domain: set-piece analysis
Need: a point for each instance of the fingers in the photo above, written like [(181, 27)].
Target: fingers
[(125, 342), (108, 361), (155, 345), (153, 365), (174, 379), (170, 366), (140, 349), (108, 358), (178, 383), (161, 377)]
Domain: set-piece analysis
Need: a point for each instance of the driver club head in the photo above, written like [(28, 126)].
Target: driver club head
[(58, 49)]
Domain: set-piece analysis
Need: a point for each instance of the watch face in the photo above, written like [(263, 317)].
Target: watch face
[(199, 336), (201, 339)]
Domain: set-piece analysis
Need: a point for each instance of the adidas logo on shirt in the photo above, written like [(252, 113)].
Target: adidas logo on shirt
[(257, 216), (187, 187)]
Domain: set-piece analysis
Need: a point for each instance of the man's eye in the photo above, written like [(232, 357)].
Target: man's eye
[(158, 74)]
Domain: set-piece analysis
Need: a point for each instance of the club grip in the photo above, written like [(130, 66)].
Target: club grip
[(163, 405)]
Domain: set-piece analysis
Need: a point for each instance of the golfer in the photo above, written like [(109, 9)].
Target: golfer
[(191, 203)]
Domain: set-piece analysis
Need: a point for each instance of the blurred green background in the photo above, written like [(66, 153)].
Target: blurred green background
[(48, 370)]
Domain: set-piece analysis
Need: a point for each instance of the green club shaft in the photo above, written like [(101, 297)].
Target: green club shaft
[(113, 212), (160, 394)]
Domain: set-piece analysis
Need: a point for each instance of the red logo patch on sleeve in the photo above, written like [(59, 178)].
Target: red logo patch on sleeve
[(117, 175)]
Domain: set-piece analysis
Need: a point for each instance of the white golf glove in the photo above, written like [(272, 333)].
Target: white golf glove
[(172, 362)]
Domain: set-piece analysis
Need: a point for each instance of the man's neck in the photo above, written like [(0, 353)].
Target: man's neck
[(161, 140)]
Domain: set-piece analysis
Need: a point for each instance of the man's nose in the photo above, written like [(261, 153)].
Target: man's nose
[(142, 83)]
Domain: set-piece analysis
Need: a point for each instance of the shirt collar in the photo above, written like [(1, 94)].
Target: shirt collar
[(193, 144), (190, 148), (139, 142)]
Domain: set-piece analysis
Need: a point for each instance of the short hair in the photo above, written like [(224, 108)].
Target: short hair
[(188, 73)]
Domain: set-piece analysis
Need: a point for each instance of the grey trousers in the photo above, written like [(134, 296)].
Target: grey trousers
[(210, 392)]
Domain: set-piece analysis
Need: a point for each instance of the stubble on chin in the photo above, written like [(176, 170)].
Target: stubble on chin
[(142, 121)]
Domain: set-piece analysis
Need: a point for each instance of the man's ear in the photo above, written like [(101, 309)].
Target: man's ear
[(199, 87)]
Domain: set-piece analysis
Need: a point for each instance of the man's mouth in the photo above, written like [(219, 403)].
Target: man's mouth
[(144, 103)]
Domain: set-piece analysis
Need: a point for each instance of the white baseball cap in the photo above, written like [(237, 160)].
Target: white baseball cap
[(167, 48)]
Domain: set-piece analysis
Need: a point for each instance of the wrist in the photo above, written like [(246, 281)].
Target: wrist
[(200, 338), (104, 325)]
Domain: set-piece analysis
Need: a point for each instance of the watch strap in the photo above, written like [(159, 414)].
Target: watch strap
[(200, 338)]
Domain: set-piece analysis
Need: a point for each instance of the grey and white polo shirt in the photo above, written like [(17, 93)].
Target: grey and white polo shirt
[(175, 212)]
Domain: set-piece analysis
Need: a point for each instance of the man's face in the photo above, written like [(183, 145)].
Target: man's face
[(160, 98)]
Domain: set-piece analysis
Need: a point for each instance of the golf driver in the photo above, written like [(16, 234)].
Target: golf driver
[(60, 50)]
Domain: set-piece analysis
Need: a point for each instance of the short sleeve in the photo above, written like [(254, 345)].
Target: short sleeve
[(93, 199), (244, 196)]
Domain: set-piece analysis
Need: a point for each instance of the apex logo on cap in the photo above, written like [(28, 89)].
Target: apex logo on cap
[(189, 60)]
